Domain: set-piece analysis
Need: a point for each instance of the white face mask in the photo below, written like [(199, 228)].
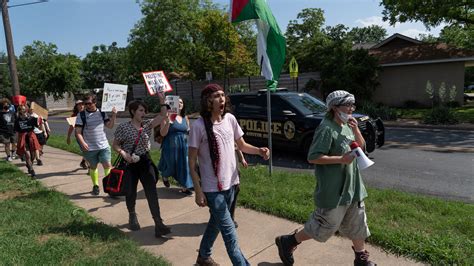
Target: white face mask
[(344, 117)]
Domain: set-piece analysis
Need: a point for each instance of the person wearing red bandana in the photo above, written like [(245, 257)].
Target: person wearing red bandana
[(211, 142)]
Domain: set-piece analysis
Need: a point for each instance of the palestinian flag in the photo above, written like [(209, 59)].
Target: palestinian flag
[(271, 43)]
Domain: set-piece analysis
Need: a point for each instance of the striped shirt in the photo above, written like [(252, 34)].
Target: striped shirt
[(93, 133)]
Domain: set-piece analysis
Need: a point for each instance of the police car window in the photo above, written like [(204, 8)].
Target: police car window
[(306, 103), (251, 105)]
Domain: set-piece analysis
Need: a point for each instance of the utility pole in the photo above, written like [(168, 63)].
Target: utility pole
[(10, 50)]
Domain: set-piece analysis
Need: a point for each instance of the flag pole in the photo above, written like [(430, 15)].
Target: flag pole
[(269, 123)]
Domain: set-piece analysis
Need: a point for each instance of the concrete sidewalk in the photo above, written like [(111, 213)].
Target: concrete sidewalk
[(256, 231)]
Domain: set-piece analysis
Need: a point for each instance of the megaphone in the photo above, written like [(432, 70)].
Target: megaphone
[(362, 160)]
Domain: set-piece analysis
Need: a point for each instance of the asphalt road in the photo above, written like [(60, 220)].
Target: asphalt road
[(424, 161)]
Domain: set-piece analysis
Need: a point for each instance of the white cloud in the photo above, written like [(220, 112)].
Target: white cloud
[(413, 33), (374, 20), (411, 29)]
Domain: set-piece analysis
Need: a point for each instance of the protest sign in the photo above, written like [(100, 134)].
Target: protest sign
[(71, 120), (115, 95), (156, 81), (173, 102), (39, 110)]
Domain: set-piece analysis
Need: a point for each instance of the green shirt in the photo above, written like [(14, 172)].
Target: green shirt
[(337, 184)]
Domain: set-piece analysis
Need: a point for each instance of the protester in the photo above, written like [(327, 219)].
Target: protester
[(92, 139), (139, 131), (240, 159), (174, 150), (40, 132), (340, 192), (27, 142), (7, 132), (78, 107), (211, 141)]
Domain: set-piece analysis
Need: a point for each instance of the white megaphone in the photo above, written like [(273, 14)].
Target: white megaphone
[(362, 160)]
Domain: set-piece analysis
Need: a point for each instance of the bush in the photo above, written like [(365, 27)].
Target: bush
[(413, 104), (374, 110), (153, 104), (440, 115)]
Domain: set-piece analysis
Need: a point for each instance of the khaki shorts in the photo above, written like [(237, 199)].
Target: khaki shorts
[(349, 220), (7, 139)]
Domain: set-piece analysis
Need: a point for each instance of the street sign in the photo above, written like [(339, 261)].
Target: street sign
[(208, 75), (293, 68)]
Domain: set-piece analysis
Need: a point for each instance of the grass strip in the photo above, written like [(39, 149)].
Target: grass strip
[(39, 226), (464, 114), (427, 229)]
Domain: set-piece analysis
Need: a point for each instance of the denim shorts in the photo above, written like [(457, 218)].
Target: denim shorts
[(98, 156), (349, 220)]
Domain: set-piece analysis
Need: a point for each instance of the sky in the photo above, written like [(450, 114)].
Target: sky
[(75, 26)]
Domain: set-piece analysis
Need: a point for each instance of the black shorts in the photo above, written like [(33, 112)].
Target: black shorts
[(41, 138)]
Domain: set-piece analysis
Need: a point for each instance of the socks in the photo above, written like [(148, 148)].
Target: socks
[(106, 171), (94, 176)]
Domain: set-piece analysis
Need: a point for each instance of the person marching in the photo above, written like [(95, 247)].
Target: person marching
[(27, 142), (174, 150), (40, 132), (92, 139), (211, 141), (340, 192), (7, 131), (78, 107), (140, 166)]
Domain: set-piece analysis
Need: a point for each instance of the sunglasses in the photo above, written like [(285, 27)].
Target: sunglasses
[(350, 105), (88, 103)]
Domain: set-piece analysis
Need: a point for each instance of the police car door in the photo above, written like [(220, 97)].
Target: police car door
[(283, 123)]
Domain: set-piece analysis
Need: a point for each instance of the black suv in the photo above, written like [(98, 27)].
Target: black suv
[(295, 116)]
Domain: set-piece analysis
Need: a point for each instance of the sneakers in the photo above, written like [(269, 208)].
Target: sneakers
[(9, 159), (161, 229), (95, 190), (14, 156), (286, 246), (133, 222), (31, 171), (39, 162), (206, 261), (83, 164), (362, 258)]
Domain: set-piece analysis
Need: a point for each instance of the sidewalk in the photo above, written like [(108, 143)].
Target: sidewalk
[(187, 221)]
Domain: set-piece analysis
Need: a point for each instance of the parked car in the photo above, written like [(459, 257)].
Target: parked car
[(295, 116)]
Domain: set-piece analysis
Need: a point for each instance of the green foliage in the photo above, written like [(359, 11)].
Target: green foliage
[(43, 70), (431, 230), (440, 115), (40, 226), (370, 34), (105, 64), (153, 104), (430, 13), (377, 110), (238, 88), (200, 39), (5, 80), (329, 50)]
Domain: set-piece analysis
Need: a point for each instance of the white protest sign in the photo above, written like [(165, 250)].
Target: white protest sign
[(71, 120), (115, 95), (156, 81), (173, 102)]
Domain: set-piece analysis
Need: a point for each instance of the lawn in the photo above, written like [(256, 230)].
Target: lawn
[(39, 226), (427, 229)]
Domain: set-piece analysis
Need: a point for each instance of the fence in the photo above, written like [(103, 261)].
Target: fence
[(190, 90)]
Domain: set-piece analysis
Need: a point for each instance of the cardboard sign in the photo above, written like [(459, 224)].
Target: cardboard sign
[(71, 120), (115, 95), (156, 81), (39, 110), (173, 102)]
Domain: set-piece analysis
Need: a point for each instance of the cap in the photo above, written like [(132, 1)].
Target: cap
[(79, 101), (339, 97)]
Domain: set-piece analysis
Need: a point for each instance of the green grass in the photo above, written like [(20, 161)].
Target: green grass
[(424, 228), (39, 226), (427, 229), (464, 114)]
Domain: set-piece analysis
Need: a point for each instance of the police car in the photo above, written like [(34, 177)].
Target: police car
[(295, 116)]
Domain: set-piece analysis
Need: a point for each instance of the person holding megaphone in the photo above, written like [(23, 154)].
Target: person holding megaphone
[(340, 191)]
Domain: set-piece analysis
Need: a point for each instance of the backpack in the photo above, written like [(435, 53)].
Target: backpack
[(84, 121)]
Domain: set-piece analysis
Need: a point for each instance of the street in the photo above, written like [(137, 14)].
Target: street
[(423, 161)]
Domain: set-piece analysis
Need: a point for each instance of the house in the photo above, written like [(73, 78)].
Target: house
[(407, 64)]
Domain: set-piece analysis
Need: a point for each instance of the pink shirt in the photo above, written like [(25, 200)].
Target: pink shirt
[(226, 131)]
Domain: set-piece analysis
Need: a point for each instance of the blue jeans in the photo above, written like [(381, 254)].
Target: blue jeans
[(219, 204)]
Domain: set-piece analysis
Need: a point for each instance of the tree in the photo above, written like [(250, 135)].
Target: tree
[(429, 12), (370, 34), (105, 64), (5, 82), (43, 70)]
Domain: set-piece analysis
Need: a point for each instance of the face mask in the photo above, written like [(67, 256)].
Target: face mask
[(344, 117)]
